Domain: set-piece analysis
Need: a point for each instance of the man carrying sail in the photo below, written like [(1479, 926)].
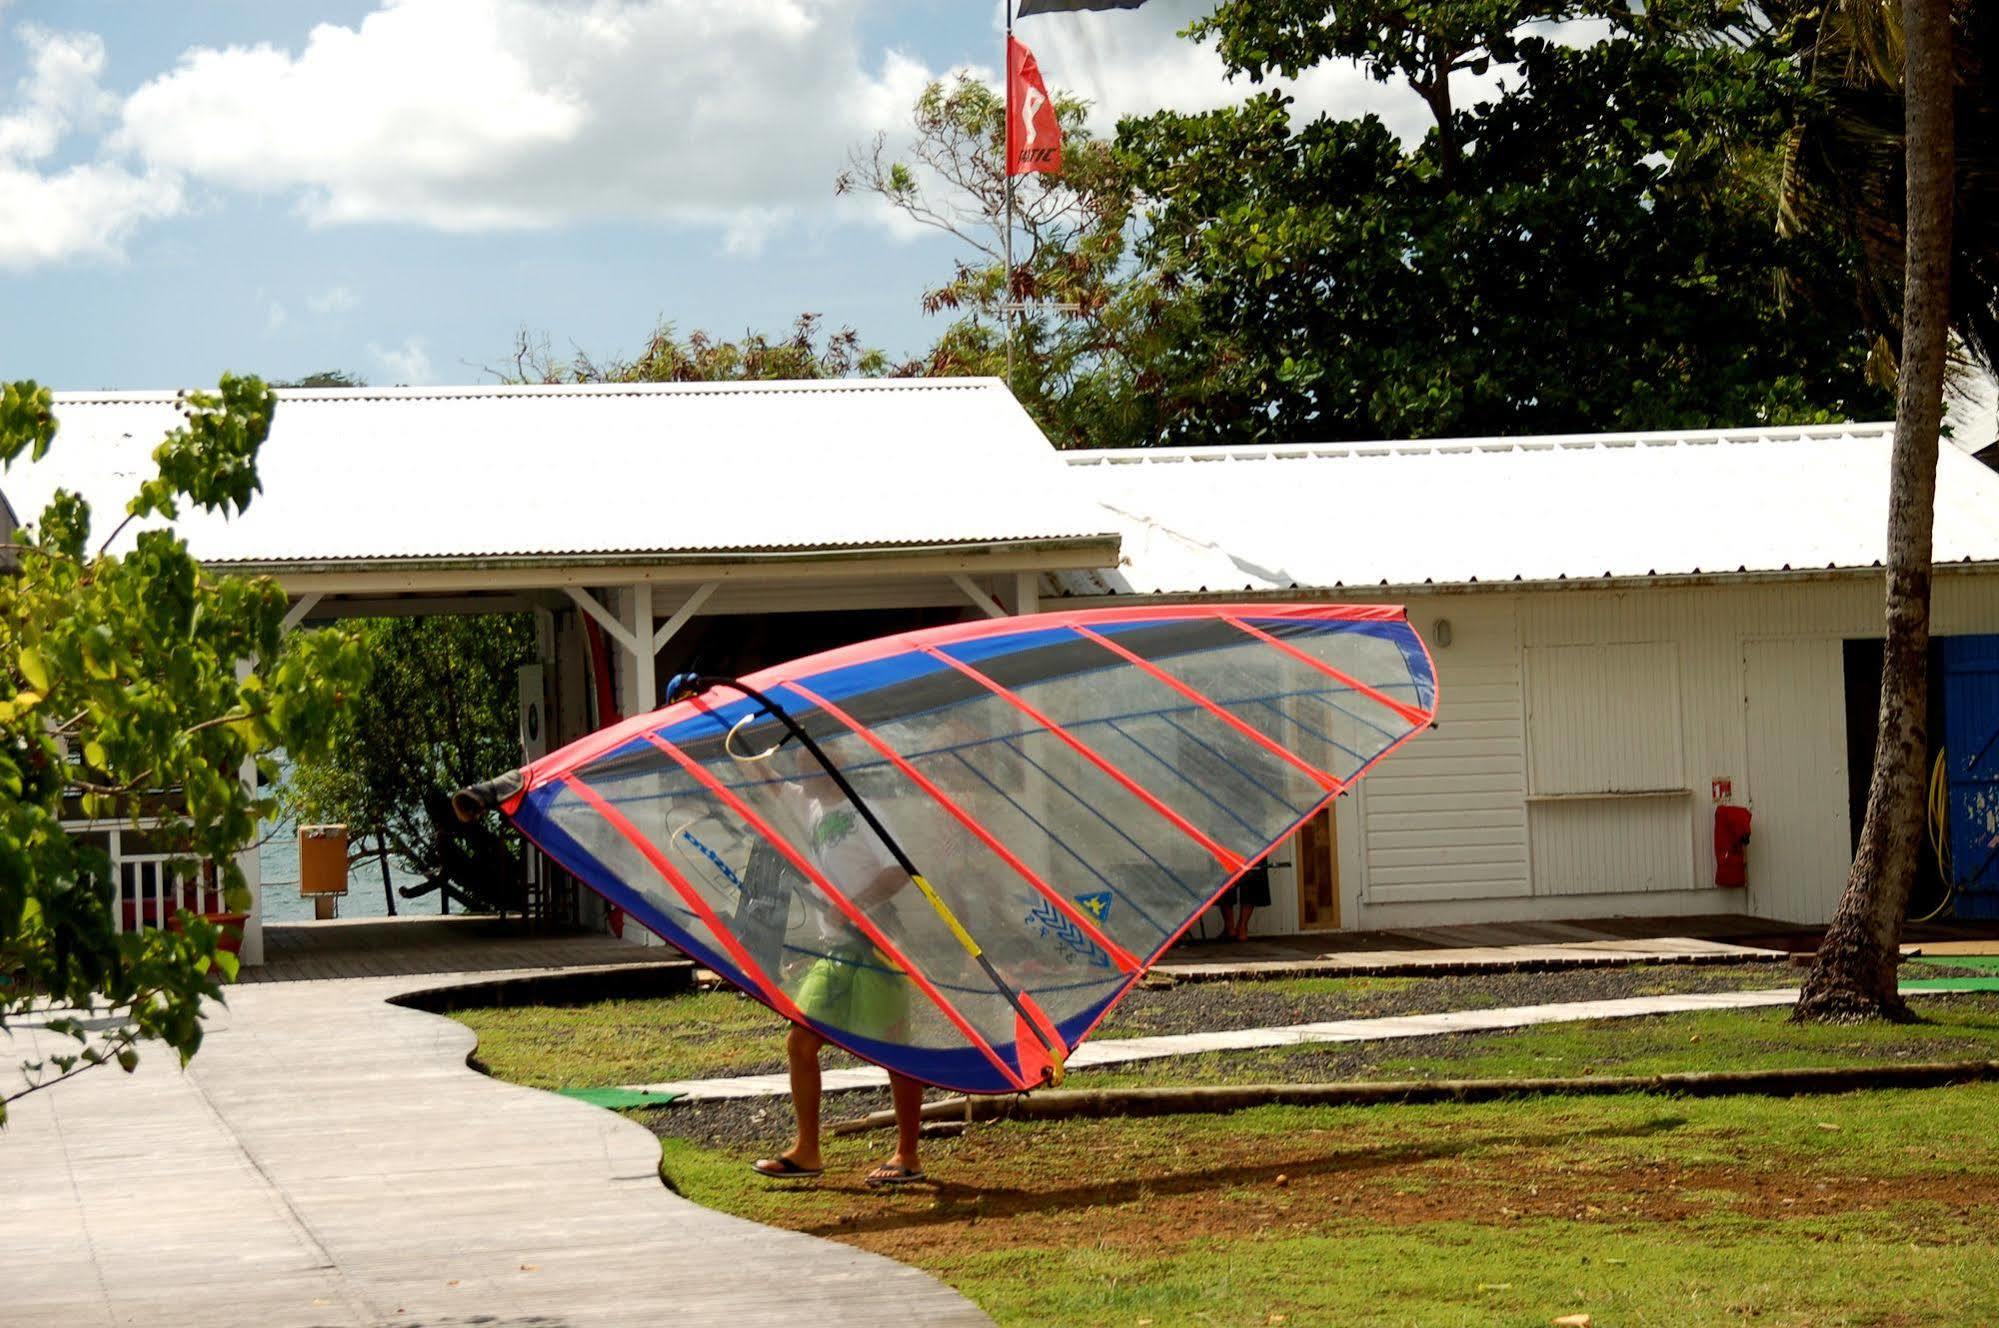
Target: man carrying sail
[(849, 985)]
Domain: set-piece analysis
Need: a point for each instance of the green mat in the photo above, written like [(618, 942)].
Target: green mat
[(1959, 961), (1983, 963), (619, 1099)]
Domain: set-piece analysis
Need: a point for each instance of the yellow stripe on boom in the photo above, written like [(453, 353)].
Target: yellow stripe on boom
[(950, 918)]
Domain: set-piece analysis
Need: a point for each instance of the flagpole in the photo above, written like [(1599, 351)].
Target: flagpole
[(1006, 164)]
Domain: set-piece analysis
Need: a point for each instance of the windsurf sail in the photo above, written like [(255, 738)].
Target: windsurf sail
[(953, 851)]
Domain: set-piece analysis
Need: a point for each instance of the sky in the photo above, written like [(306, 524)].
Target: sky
[(396, 188)]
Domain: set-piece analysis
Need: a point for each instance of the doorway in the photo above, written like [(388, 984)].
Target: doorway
[(1316, 863)]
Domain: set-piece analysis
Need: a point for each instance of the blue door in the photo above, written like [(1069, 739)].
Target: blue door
[(1971, 748)]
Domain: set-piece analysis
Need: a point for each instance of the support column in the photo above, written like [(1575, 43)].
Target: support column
[(1027, 592), (641, 686)]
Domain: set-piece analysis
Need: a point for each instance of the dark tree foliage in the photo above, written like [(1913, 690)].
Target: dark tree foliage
[(1844, 169), (1601, 255), (802, 352), (326, 378), (440, 711)]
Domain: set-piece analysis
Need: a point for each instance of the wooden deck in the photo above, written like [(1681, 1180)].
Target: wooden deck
[(1588, 942), (403, 947), (329, 1161)]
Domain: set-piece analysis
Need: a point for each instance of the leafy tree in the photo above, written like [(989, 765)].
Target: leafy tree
[(326, 378), (700, 358), (1945, 236), (1095, 350), (120, 700), (1423, 44), (1589, 249), (439, 711)]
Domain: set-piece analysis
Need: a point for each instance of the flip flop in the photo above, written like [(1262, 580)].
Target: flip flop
[(888, 1173), (782, 1168)]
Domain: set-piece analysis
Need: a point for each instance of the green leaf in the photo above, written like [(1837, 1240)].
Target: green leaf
[(34, 669)]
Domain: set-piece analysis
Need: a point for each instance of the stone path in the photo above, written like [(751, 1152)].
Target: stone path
[(329, 1160), (1117, 1051)]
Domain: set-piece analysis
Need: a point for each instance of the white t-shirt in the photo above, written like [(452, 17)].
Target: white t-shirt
[(849, 852)]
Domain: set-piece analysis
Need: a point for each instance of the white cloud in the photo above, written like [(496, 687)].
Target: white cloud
[(85, 209), (408, 364), (333, 300), (84, 212), (475, 115), (274, 317), (58, 94), (472, 115), (1134, 63)]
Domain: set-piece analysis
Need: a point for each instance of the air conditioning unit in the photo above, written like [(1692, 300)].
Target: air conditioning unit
[(534, 712)]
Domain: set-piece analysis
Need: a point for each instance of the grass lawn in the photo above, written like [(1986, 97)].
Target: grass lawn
[(695, 1035), (1877, 1208)]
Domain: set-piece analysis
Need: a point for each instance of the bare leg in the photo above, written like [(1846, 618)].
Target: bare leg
[(802, 1049), (907, 1095), (1241, 932)]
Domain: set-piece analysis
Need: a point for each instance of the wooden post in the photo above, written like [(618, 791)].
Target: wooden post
[(641, 685)]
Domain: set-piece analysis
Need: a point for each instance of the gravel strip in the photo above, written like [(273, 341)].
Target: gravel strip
[(1222, 1006)]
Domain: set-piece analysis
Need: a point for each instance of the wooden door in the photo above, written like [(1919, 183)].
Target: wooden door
[(1316, 854)]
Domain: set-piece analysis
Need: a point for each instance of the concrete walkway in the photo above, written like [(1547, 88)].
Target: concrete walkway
[(1118, 1051), (329, 1159)]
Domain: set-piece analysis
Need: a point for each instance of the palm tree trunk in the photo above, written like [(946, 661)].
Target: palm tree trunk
[(1854, 976)]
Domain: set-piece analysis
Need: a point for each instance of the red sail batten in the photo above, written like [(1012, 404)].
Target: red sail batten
[(1233, 862), (772, 993), (854, 915), (1207, 703), (1125, 959)]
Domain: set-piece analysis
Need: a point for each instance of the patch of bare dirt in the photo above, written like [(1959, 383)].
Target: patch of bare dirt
[(1130, 1197)]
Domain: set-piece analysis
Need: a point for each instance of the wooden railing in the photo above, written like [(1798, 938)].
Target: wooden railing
[(150, 890)]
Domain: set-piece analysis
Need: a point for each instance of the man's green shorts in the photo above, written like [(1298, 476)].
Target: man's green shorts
[(855, 989)]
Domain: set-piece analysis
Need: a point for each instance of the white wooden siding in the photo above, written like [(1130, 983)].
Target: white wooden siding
[(1445, 817), (1583, 734), (1743, 683), (1613, 846)]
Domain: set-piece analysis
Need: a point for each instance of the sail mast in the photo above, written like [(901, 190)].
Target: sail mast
[(1007, 310)]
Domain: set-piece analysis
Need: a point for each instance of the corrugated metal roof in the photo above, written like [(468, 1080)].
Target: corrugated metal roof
[(1528, 509), (543, 472)]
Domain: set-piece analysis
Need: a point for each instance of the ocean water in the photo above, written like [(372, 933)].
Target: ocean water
[(278, 858)]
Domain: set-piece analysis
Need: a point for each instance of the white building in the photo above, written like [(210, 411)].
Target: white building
[(1618, 623)]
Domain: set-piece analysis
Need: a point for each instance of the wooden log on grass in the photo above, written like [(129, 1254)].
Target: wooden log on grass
[(1068, 1104)]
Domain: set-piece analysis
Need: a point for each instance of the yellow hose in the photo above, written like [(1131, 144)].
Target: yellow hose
[(1937, 825)]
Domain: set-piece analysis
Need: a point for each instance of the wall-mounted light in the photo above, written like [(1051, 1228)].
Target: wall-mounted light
[(1440, 632)]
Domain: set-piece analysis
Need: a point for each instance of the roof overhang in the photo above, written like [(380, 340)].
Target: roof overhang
[(1385, 592), (556, 571)]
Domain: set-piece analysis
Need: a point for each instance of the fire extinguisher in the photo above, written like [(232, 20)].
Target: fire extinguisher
[(1731, 845)]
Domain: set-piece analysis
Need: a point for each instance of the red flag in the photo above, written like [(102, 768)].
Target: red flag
[(1033, 138)]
